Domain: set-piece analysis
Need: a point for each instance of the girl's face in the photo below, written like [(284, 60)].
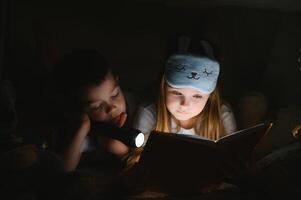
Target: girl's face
[(105, 102), (185, 103)]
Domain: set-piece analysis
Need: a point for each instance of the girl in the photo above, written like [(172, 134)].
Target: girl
[(189, 101)]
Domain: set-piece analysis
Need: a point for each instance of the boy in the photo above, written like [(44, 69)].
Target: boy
[(86, 90)]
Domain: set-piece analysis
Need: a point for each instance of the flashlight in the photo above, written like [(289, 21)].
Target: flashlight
[(129, 136)]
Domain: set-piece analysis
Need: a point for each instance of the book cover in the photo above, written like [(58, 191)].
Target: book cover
[(176, 162)]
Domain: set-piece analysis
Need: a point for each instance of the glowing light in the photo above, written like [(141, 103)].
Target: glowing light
[(139, 140)]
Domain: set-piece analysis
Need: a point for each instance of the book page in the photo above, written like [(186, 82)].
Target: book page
[(189, 157), (240, 133), (190, 138)]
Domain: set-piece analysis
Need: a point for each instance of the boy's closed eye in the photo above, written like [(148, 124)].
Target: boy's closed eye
[(99, 107), (115, 93)]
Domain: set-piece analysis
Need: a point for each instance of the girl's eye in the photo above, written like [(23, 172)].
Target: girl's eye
[(197, 96), (176, 93)]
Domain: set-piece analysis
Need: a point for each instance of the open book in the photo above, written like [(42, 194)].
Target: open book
[(175, 162)]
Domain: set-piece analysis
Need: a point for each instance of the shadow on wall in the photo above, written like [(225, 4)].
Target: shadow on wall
[(280, 134), (252, 109), (136, 44), (283, 74)]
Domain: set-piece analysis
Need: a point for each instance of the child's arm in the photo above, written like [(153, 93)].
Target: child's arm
[(114, 146), (72, 153)]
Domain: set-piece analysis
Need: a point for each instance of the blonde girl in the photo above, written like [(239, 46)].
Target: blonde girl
[(188, 101)]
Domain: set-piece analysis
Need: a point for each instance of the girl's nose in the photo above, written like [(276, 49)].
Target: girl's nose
[(184, 102)]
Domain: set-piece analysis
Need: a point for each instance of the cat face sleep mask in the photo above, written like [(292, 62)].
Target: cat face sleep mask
[(184, 70)]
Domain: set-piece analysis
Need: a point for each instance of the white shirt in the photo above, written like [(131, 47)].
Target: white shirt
[(145, 121)]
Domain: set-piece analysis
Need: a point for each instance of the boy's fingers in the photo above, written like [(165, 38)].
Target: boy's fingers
[(85, 121)]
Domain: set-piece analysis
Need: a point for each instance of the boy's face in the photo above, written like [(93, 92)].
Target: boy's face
[(105, 102), (185, 103)]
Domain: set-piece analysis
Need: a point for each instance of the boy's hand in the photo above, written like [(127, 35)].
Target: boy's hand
[(78, 122), (85, 122), (114, 146)]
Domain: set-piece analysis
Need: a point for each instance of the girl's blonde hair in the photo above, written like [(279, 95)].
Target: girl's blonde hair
[(208, 123)]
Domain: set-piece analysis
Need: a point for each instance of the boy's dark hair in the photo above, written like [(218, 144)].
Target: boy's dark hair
[(78, 70)]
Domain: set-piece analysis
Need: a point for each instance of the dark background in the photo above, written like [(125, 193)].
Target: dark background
[(257, 43)]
